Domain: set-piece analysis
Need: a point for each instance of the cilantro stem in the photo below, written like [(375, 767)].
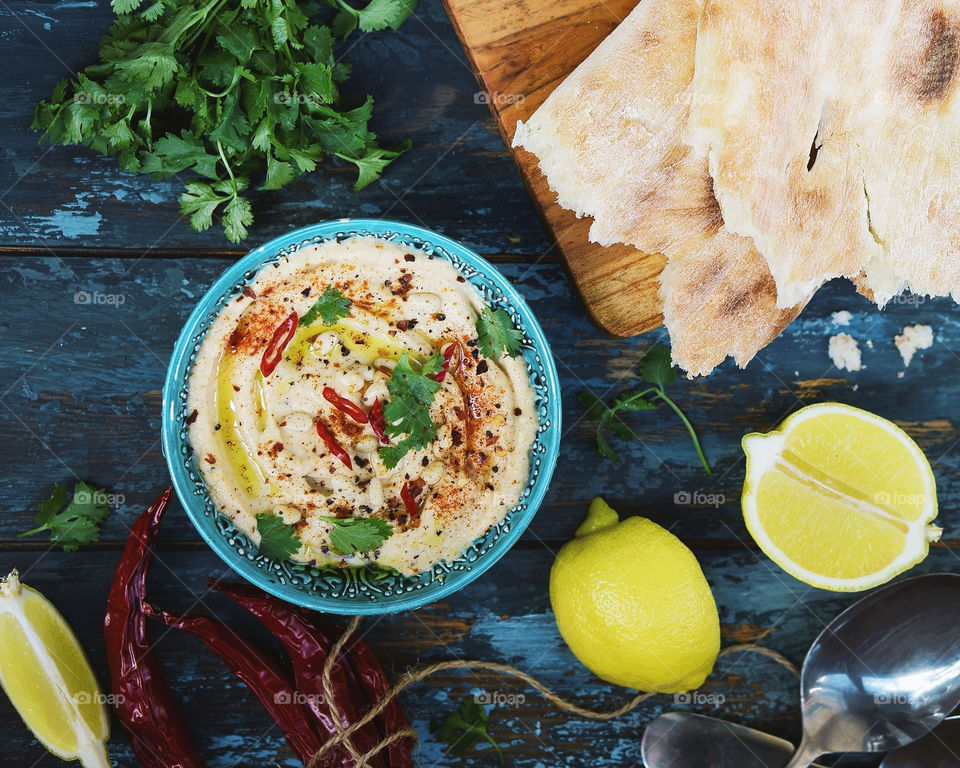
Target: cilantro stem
[(39, 528), (686, 422), (226, 165)]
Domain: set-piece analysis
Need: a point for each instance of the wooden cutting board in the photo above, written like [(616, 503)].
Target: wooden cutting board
[(520, 51)]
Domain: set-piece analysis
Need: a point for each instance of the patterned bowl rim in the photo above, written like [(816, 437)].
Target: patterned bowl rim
[(509, 530)]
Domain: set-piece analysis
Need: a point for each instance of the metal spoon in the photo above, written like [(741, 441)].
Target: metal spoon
[(938, 749), (685, 739), (884, 672), (881, 675)]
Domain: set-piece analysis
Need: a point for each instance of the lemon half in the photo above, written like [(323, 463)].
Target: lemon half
[(47, 677), (838, 497)]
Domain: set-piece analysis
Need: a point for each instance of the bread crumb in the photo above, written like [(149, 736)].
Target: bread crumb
[(869, 343), (841, 318), (844, 352), (914, 337), (899, 374)]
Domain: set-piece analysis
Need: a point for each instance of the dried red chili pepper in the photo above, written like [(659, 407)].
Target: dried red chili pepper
[(273, 354), (142, 699), (408, 501), (376, 422), (341, 403), (308, 646), (332, 445), (393, 719), (270, 683), (448, 353)]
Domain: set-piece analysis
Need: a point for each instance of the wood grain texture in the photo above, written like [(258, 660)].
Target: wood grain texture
[(521, 51)]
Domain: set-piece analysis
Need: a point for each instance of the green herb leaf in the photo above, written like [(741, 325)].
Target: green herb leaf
[(330, 307), (354, 534), (496, 334), (465, 727), (258, 81), (407, 412), (78, 523), (655, 367), (277, 539)]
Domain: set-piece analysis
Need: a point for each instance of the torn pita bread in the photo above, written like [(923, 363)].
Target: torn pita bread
[(832, 132), (770, 110), (608, 140)]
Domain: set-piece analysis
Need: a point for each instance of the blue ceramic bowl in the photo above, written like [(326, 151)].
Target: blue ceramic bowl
[(362, 590)]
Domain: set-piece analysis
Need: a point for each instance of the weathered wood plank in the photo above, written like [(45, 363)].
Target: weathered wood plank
[(80, 393), (484, 621), (458, 176)]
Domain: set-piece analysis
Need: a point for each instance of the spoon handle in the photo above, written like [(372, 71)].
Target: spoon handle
[(804, 756)]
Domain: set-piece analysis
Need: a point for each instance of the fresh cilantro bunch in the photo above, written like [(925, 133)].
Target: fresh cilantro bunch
[(235, 94), (464, 728), (74, 524), (407, 412), (656, 368)]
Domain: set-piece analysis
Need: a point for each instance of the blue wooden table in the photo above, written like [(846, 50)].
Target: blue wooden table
[(80, 398)]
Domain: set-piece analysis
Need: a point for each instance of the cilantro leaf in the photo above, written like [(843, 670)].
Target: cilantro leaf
[(277, 539), (258, 81), (78, 523), (496, 333), (656, 368), (464, 728), (407, 412), (354, 534), (330, 307)]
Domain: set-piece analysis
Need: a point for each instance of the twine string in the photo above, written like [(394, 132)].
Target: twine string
[(408, 678)]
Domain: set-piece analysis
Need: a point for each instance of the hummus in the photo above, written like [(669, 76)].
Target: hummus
[(296, 437)]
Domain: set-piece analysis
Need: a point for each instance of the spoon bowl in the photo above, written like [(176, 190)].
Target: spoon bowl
[(884, 672)]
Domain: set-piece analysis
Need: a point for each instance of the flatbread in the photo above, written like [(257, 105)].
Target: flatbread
[(770, 111), (871, 85), (609, 141)]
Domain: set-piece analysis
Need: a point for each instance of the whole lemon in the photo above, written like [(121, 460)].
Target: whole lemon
[(633, 605)]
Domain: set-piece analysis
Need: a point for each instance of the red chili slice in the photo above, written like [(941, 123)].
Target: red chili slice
[(341, 403), (333, 446), (273, 354), (408, 501), (376, 422), (448, 354)]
